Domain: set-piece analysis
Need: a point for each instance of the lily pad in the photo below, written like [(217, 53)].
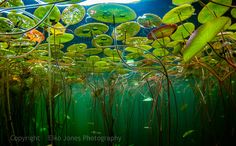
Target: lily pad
[(183, 31), (133, 56), (126, 30), (93, 51), (3, 45), (111, 52), (102, 40), (160, 52), (181, 2), (58, 29), (77, 48), (178, 14), (73, 14), (21, 21), (57, 39), (52, 46), (161, 43), (6, 25), (149, 20), (212, 10), (111, 59), (35, 35), (137, 41), (111, 13), (163, 31), (233, 12), (54, 16), (21, 43), (91, 29), (140, 49), (204, 34), (232, 27)]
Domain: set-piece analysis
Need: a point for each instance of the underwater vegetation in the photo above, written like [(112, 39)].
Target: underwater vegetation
[(106, 75)]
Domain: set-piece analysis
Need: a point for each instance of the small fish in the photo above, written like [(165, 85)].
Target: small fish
[(187, 133)]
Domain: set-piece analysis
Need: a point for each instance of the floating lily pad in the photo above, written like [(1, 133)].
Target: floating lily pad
[(4, 52), (93, 58), (212, 10), (111, 13), (137, 41), (35, 35), (160, 52), (111, 52), (126, 30), (6, 25), (91, 29), (161, 43), (12, 3), (176, 46), (54, 16), (202, 36), (57, 39), (52, 46), (102, 40), (181, 2), (93, 51), (3, 45), (73, 14), (139, 49), (133, 56), (113, 59), (21, 43), (58, 29), (233, 12), (77, 48), (163, 31), (21, 21), (232, 27), (178, 14), (183, 31), (149, 20)]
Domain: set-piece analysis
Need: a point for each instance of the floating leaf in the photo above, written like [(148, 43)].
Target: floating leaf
[(183, 31), (21, 21), (6, 25), (161, 32), (149, 20), (178, 14), (77, 48), (126, 30), (91, 29), (35, 35), (57, 39), (111, 13), (57, 29), (233, 12), (137, 41), (180, 2), (212, 10), (202, 36), (73, 14), (102, 40)]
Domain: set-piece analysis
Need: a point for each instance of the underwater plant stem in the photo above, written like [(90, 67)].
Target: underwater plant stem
[(50, 85), (8, 101)]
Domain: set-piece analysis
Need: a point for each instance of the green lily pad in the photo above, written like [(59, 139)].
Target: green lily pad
[(102, 40), (181, 2), (101, 63), (178, 14), (183, 31), (163, 31), (176, 46), (126, 30), (77, 48), (109, 13), (133, 55), (111, 59), (93, 58), (233, 12), (6, 25), (212, 10), (54, 16), (21, 43), (139, 49), (160, 52), (149, 20), (3, 45), (44, 46), (4, 52), (21, 21), (57, 39), (161, 43), (232, 27), (12, 3), (91, 29), (73, 14), (93, 51), (137, 41), (202, 36), (111, 52)]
